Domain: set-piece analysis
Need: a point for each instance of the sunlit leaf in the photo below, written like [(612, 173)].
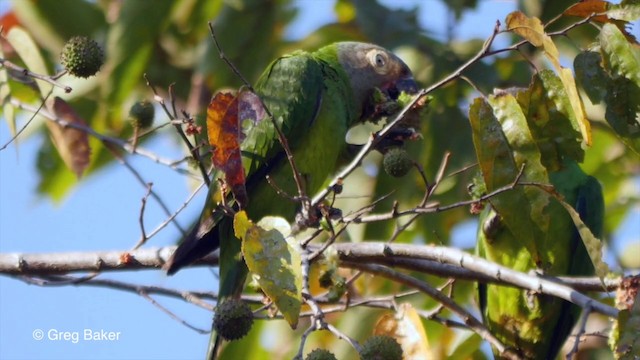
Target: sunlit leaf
[(551, 120), (533, 31), (72, 144), (467, 348), (406, 327), (529, 28), (620, 57), (274, 261), (576, 104), (29, 53), (223, 129), (627, 10)]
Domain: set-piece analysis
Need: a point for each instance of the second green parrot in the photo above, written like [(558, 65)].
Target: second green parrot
[(535, 325), (314, 98)]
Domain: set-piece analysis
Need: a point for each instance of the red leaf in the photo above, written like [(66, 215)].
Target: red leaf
[(8, 20), (225, 135)]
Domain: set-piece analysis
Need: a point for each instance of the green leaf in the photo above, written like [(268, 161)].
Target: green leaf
[(623, 111), (627, 10), (551, 120), (621, 59), (5, 98), (466, 348), (590, 75), (274, 260), (49, 20), (503, 145), (30, 55), (130, 43)]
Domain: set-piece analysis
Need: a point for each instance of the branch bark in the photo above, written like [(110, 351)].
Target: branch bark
[(437, 260)]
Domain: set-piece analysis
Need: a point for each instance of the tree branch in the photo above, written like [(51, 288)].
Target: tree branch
[(436, 260)]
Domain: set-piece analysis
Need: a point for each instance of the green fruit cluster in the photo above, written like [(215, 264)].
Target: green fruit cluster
[(381, 347), (141, 114), (320, 354), (233, 319), (397, 162), (81, 56)]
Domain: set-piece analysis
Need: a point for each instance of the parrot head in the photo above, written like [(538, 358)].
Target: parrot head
[(370, 67)]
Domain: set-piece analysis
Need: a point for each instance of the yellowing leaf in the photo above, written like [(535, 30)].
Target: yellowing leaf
[(529, 28), (274, 261), (566, 76), (532, 30), (406, 327), (72, 144)]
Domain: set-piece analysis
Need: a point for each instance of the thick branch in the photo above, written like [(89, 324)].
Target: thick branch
[(59, 263), (426, 259), (465, 260)]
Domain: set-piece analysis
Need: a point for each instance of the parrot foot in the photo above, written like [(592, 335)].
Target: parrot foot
[(314, 217)]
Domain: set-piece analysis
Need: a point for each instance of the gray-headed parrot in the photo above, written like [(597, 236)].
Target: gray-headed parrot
[(315, 97)]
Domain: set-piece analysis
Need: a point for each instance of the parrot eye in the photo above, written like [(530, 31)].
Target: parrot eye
[(380, 60)]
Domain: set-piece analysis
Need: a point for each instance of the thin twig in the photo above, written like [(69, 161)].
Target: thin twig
[(26, 72), (170, 218), (193, 150), (171, 314), (33, 116), (581, 330), (107, 139), (122, 160), (473, 323), (142, 208)]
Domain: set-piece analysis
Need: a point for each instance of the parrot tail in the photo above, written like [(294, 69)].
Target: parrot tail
[(197, 244)]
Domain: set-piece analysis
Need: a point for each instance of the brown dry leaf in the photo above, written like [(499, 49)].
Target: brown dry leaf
[(223, 129), (406, 327), (584, 9), (72, 144)]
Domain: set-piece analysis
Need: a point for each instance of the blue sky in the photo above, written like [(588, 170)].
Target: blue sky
[(102, 214)]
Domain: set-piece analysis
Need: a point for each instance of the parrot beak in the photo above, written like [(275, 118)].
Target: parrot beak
[(406, 84)]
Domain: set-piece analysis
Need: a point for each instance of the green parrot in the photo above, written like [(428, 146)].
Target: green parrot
[(536, 326), (314, 98)]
